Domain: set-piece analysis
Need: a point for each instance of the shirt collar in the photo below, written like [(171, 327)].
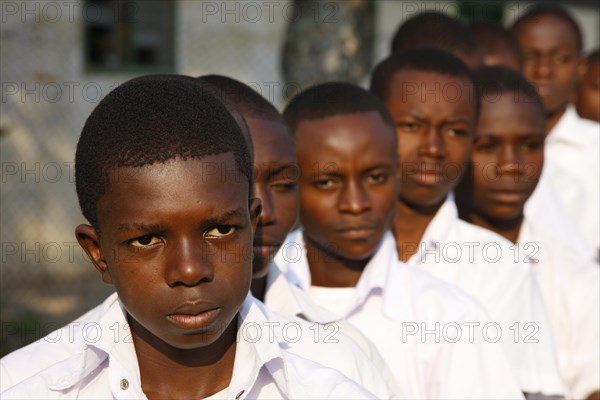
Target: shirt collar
[(258, 346), (289, 298), (385, 275), (563, 131), (108, 337), (437, 230), (292, 261), (383, 268)]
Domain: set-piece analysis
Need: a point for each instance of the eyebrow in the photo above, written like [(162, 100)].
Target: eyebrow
[(273, 172), (419, 117), (140, 227), (224, 217)]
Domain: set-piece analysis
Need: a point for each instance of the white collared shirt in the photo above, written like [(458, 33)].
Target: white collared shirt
[(544, 210), (94, 357), (495, 272), (367, 367), (570, 285), (572, 168), (415, 321)]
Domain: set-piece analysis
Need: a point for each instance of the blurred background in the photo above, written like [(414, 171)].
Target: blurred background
[(59, 58)]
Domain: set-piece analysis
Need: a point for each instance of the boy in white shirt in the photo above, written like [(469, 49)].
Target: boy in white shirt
[(430, 94), (551, 43), (510, 139), (275, 173), (345, 257), (171, 225)]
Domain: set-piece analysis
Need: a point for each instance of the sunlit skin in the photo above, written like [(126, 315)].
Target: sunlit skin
[(508, 156), (175, 239), (588, 99), (503, 58), (550, 61), (276, 185), (347, 189), (435, 117)]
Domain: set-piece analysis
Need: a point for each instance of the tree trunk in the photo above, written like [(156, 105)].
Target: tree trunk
[(328, 40)]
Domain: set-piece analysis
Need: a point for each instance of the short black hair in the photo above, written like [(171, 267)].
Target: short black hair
[(148, 120), (495, 80), (434, 29), (555, 10), (233, 109), (419, 59), (331, 99), (494, 38), (249, 101)]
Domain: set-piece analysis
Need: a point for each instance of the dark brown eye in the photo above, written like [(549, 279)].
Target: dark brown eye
[(220, 231), (145, 241)]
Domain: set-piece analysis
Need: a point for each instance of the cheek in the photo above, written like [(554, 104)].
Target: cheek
[(407, 146), (566, 75), (534, 164), (485, 171), (286, 209), (385, 198)]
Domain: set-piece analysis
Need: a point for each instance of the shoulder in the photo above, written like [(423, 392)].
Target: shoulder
[(311, 380), (433, 298), (56, 348), (325, 345)]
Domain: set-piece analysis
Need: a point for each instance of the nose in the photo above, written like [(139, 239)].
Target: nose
[(431, 144), (189, 264), (510, 161), (543, 68), (267, 213), (354, 199)]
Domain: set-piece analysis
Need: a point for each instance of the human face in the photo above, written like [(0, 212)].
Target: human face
[(276, 185), (435, 116), (508, 155), (589, 93), (175, 240), (550, 59), (348, 183)]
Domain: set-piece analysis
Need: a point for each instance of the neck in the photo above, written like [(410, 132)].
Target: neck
[(169, 372), (410, 224), (508, 228), (554, 117), (259, 287), (330, 270)]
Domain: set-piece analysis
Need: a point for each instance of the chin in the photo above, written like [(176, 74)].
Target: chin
[(359, 253)]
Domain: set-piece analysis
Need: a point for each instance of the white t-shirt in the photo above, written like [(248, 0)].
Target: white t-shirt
[(496, 273), (79, 362), (572, 168), (571, 288), (286, 297), (431, 335), (335, 299)]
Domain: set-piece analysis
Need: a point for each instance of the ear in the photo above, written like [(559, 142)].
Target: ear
[(255, 207), (88, 239)]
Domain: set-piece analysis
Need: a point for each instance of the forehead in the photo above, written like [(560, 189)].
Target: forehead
[(271, 139), (546, 31), (510, 113), (175, 186), (411, 87), (345, 138)]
